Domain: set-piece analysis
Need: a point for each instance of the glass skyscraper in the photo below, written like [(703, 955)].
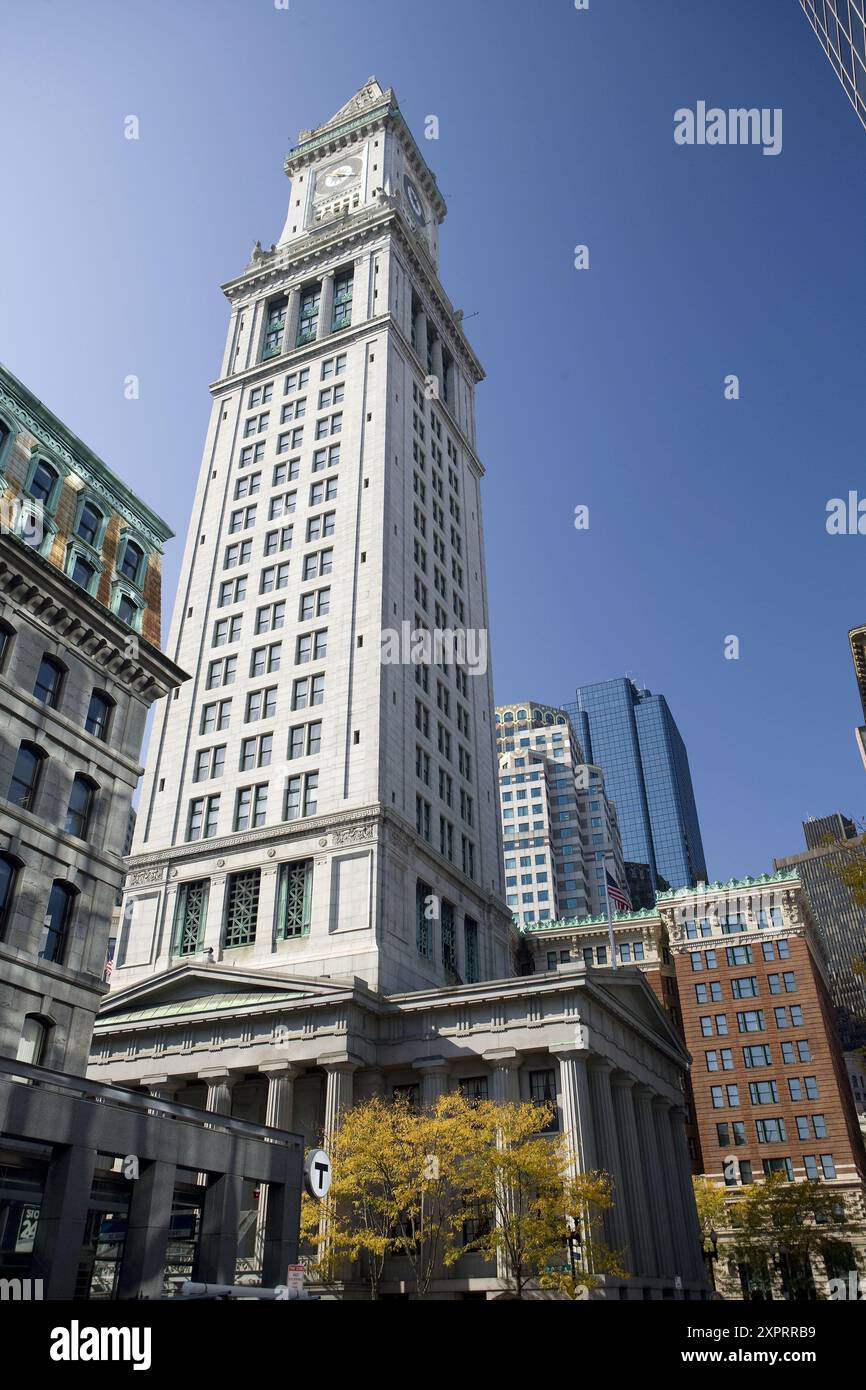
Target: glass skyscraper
[(631, 735), (840, 27)]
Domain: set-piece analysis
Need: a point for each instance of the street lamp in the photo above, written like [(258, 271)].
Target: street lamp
[(572, 1238)]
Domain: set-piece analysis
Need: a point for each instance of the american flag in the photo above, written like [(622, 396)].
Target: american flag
[(619, 898), (109, 963)]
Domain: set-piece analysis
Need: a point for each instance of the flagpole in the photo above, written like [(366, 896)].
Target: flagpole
[(609, 917)]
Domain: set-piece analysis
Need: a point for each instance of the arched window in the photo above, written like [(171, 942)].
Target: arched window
[(80, 806), (25, 776), (43, 482), (49, 681), (7, 633), (57, 920), (99, 714), (8, 874), (33, 1040), (89, 523), (131, 564)]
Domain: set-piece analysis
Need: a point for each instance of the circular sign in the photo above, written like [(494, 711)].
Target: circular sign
[(317, 1173)]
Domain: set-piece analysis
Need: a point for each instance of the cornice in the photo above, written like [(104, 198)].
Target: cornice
[(564, 924), (51, 599), (704, 890), (43, 424)]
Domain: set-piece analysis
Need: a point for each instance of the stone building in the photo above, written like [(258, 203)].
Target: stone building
[(80, 666), (315, 909)]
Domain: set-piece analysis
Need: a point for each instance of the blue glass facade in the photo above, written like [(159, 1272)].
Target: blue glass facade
[(631, 735)]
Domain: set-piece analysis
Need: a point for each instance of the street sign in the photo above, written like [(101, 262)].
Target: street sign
[(295, 1281), (317, 1173)]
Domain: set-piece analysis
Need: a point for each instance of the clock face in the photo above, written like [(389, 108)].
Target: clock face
[(413, 198), (340, 174)]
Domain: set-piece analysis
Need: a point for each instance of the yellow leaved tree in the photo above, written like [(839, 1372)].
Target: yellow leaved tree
[(464, 1177)]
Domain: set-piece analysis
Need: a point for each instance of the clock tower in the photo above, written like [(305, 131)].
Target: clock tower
[(320, 798)]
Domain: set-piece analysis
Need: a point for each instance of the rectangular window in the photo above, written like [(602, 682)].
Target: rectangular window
[(470, 943), (294, 900), (275, 325), (424, 905), (308, 321), (342, 316), (190, 917), (203, 817), (771, 1131), (242, 908)]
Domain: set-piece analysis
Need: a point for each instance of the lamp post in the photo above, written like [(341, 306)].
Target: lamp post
[(572, 1238)]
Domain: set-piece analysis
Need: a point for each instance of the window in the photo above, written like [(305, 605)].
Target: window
[(26, 774), (319, 563), (308, 691), (131, 564), (190, 917), (57, 919), (261, 704), (80, 806), (215, 716), (758, 1056), (8, 875), (828, 1167), (99, 714), (779, 1165), (127, 610), (226, 631), (342, 316), (49, 682), (275, 323), (424, 905), (470, 943), (203, 817), (276, 542), (43, 482), (270, 618), (242, 908), (209, 762), (256, 752), (89, 525), (763, 1093), (274, 577), (266, 659), (771, 1131), (33, 1040), (305, 739), (301, 796), (308, 320), (83, 572), (315, 604), (449, 937), (739, 955), (542, 1091), (7, 635), (319, 526), (751, 1021), (294, 897), (251, 807), (745, 987), (474, 1088)]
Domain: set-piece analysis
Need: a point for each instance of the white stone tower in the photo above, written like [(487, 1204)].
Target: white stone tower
[(318, 801)]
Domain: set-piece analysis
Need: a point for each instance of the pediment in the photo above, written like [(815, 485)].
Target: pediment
[(206, 989)]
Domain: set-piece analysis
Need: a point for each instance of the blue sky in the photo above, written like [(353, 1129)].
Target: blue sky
[(605, 387)]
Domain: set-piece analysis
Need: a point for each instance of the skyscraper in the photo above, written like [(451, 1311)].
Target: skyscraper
[(316, 787), (559, 831), (833, 843), (631, 734), (314, 908), (839, 25)]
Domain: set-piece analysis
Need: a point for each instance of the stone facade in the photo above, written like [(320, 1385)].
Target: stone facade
[(275, 1048)]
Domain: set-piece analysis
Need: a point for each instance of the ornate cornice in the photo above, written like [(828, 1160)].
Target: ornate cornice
[(50, 432), (51, 599), (703, 890), (620, 919)]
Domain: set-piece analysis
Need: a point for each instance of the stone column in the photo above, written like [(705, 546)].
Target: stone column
[(670, 1188), (339, 1072), (616, 1220), (421, 337), (654, 1179), (434, 1080), (326, 305), (147, 1232), (62, 1220), (643, 1257), (279, 1107), (293, 309), (213, 927), (575, 1106), (219, 1082), (436, 366), (504, 1064), (696, 1269)]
